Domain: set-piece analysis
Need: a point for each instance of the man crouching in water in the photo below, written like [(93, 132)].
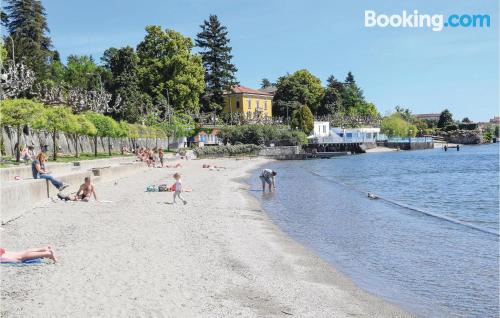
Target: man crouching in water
[(86, 190)]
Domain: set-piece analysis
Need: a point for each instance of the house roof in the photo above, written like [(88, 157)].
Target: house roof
[(246, 90)]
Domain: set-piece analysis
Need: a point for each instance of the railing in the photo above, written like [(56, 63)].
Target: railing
[(409, 139)]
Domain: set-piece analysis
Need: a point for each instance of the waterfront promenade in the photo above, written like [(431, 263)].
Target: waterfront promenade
[(138, 256)]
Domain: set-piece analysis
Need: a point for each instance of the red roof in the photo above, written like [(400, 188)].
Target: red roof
[(246, 90)]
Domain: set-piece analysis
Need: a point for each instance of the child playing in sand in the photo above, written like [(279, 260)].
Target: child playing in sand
[(86, 190), (178, 187), (26, 255)]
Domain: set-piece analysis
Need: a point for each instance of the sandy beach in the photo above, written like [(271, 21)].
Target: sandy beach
[(138, 255)]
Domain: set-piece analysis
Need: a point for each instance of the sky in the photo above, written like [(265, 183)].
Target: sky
[(417, 68)]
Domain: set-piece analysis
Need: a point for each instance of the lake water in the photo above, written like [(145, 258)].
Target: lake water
[(430, 242)]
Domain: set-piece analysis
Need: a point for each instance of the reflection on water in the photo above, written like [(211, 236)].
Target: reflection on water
[(428, 265)]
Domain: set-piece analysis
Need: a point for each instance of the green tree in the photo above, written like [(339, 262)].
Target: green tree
[(123, 63), (352, 95), (301, 88), (83, 127), (59, 119), (466, 120), (303, 119), (395, 126), (445, 119), (169, 71), (216, 55), (105, 126), (332, 100), (27, 25), (265, 83), (82, 72), (17, 113)]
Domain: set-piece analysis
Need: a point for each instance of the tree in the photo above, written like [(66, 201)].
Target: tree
[(303, 119), (170, 73), (83, 126), (59, 119), (216, 55), (332, 100), (105, 126), (466, 120), (405, 113), (265, 83), (123, 64), (27, 25), (395, 126), (445, 119), (352, 93), (349, 80), (301, 88), (18, 113)]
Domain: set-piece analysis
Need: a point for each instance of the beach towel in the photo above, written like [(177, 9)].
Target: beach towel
[(36, 261)]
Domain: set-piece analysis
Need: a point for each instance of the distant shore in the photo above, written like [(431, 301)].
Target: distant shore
[(218, 256)]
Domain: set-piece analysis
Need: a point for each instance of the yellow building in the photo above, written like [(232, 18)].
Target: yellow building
[(251, 103)]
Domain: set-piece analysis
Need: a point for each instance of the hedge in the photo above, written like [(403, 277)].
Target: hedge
[(227, 151)]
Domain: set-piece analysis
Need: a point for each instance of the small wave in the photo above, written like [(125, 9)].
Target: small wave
[(404, 206)]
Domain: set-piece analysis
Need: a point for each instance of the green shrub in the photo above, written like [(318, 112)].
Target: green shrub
[(262, 135), (227, 151)]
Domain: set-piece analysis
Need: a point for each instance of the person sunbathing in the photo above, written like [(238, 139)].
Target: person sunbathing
[(26, 255), (86, 190)]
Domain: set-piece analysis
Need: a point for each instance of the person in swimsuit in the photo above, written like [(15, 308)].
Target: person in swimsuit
[(86, 190), (26, 255)]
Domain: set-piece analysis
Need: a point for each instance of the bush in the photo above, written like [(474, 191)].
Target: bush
[(451, 128), (262, 135), (227, 151)]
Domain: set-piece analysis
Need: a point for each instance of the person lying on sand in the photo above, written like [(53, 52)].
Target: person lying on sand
[(26, 255), (177, 165), (86, 190)]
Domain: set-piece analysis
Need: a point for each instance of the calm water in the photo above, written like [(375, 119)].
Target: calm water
[(429, 244)]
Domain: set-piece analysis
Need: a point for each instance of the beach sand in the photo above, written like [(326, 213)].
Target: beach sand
[(140, 256)]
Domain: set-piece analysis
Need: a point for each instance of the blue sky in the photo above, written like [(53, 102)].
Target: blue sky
[(417, 68)]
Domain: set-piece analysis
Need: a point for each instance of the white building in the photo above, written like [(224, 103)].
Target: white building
[(356, 134), (321, 129)]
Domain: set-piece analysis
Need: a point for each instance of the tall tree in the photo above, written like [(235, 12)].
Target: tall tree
[(216, 55), (169, 71), (352, 94), (303, 119), (299, 88), (265, 83), (332, 100), (349, 80), (445, 119), (28, 28), (124, 66)]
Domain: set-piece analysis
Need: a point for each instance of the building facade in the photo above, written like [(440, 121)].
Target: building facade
[(434, 116), (250, 103)]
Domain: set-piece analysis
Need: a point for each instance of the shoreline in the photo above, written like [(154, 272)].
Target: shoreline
[(218, 256)]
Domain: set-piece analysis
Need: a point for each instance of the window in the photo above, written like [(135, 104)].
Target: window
[(324, 129), (238, 104), (265, 105), (249, 105), (257, 104)]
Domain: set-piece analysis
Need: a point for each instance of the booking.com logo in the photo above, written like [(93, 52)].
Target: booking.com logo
[(437, 22)]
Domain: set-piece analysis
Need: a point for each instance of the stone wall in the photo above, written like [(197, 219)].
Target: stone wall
[(465, 137), (66, 142)]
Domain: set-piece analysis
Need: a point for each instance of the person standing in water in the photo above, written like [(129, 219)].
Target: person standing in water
[(268, 176)]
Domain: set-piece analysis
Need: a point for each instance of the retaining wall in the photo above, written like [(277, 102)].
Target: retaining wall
[(66, 142), (16, 197)]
